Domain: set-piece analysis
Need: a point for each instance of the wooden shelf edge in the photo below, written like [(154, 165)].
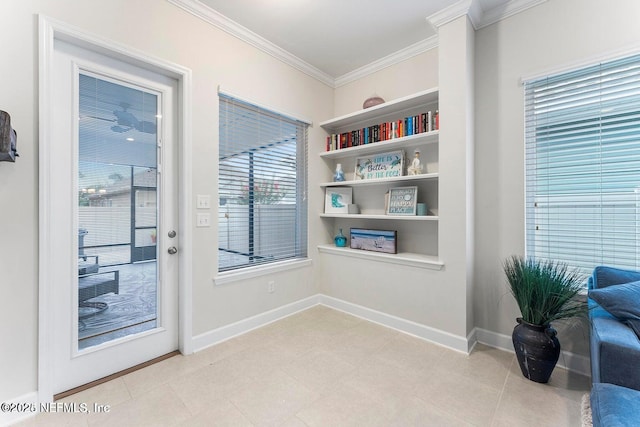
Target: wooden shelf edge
[(383, 217), (408, 259)]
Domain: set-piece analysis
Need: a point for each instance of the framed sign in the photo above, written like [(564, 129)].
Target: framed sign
[(402, 201), (337, 199), (379, 166), (374, 240)]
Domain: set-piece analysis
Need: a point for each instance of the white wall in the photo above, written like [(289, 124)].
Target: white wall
[(167, 32), (553, 35), (556, 33)]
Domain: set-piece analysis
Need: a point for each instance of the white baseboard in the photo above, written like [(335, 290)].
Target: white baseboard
[(224, 333), (26, 403), (436, 336), (570, 361)]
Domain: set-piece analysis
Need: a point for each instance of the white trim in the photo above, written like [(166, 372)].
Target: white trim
[(29, 408), (225, 92), (387, 61), (49, 30), (472, 8), (220, 21), (446, 339), (450, 13), (45, 353), (260, 270), (568, 360), (402, 258), (589, 61), (224, 333), (504, 11), (480, 18)]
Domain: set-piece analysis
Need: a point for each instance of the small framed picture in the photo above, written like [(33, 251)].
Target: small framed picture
[(379, 166), (402, 201), (337, 199), (374, 240)]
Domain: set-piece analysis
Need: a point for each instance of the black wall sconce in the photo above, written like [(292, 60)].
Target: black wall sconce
[(8, 138)]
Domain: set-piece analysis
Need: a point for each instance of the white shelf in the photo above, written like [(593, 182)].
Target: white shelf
[(418, 99), (379, 147), (383, 217), (408, 259), (361, 182)]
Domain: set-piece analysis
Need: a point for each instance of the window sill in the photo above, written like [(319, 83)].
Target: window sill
[(260, 270)]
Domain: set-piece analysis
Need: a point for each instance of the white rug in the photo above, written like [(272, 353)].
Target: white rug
[(585, 410)]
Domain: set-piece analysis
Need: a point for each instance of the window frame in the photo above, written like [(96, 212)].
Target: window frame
[(299, 255)]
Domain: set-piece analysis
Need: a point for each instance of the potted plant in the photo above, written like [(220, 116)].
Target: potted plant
[(545, 291)]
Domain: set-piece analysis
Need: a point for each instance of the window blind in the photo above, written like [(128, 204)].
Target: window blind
[(583, 166), (262, 186)]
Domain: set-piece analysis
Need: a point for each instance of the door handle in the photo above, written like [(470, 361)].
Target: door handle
[(172, 250)]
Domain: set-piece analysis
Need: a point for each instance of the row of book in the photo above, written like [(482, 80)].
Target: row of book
[(425, 122)]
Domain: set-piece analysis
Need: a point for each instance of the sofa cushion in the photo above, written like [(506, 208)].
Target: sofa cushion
[(612, 405), (622, 301), (604, 276), (614, 348)]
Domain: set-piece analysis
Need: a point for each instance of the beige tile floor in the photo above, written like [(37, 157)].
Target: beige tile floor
[(322, 367)]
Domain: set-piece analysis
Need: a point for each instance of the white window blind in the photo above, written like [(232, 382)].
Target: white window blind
[(262, 186), (583, 166)]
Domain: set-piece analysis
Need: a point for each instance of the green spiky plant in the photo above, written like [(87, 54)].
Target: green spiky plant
[(545, 291)]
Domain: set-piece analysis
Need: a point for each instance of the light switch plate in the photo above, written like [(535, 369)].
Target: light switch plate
[(203, 201), (203, 220)]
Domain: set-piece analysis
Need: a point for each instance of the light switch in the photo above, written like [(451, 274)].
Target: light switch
[(203, 220), (203, 201)]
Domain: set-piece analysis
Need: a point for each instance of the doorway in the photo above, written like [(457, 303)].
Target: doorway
[(109, 185)]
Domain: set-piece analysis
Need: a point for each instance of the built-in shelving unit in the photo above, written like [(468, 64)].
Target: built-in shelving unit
[(369, 193)]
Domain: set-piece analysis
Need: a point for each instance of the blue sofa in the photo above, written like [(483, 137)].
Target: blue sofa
[(615, 354)]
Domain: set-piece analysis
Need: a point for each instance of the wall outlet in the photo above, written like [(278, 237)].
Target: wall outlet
[(271, 286)]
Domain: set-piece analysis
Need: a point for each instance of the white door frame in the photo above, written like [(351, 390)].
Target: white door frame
[(50, 30)]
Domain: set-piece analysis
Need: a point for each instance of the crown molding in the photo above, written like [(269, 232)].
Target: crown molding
[(220, 21), (499, 13), (387, 61), (480, 18), (449, 13)]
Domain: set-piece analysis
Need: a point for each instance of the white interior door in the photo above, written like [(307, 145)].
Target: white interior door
[(114, 209)]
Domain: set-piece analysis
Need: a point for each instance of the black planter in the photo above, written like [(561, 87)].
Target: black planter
[(537, 349)]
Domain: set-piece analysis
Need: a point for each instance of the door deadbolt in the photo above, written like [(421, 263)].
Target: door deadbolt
[(171, 234)]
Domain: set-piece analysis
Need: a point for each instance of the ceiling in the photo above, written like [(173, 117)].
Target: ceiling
[(338, 37)]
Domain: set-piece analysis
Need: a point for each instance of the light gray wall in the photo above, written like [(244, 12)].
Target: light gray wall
[(554, 35), (216, 58)]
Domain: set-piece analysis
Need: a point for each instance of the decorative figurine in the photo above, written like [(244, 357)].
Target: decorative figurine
[(415, 168), (338, 176), (340, 240)]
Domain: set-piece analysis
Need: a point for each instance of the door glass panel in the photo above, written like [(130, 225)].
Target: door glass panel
[(117, 210)]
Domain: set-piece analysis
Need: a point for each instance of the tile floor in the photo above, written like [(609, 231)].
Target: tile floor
[(322, 367)]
